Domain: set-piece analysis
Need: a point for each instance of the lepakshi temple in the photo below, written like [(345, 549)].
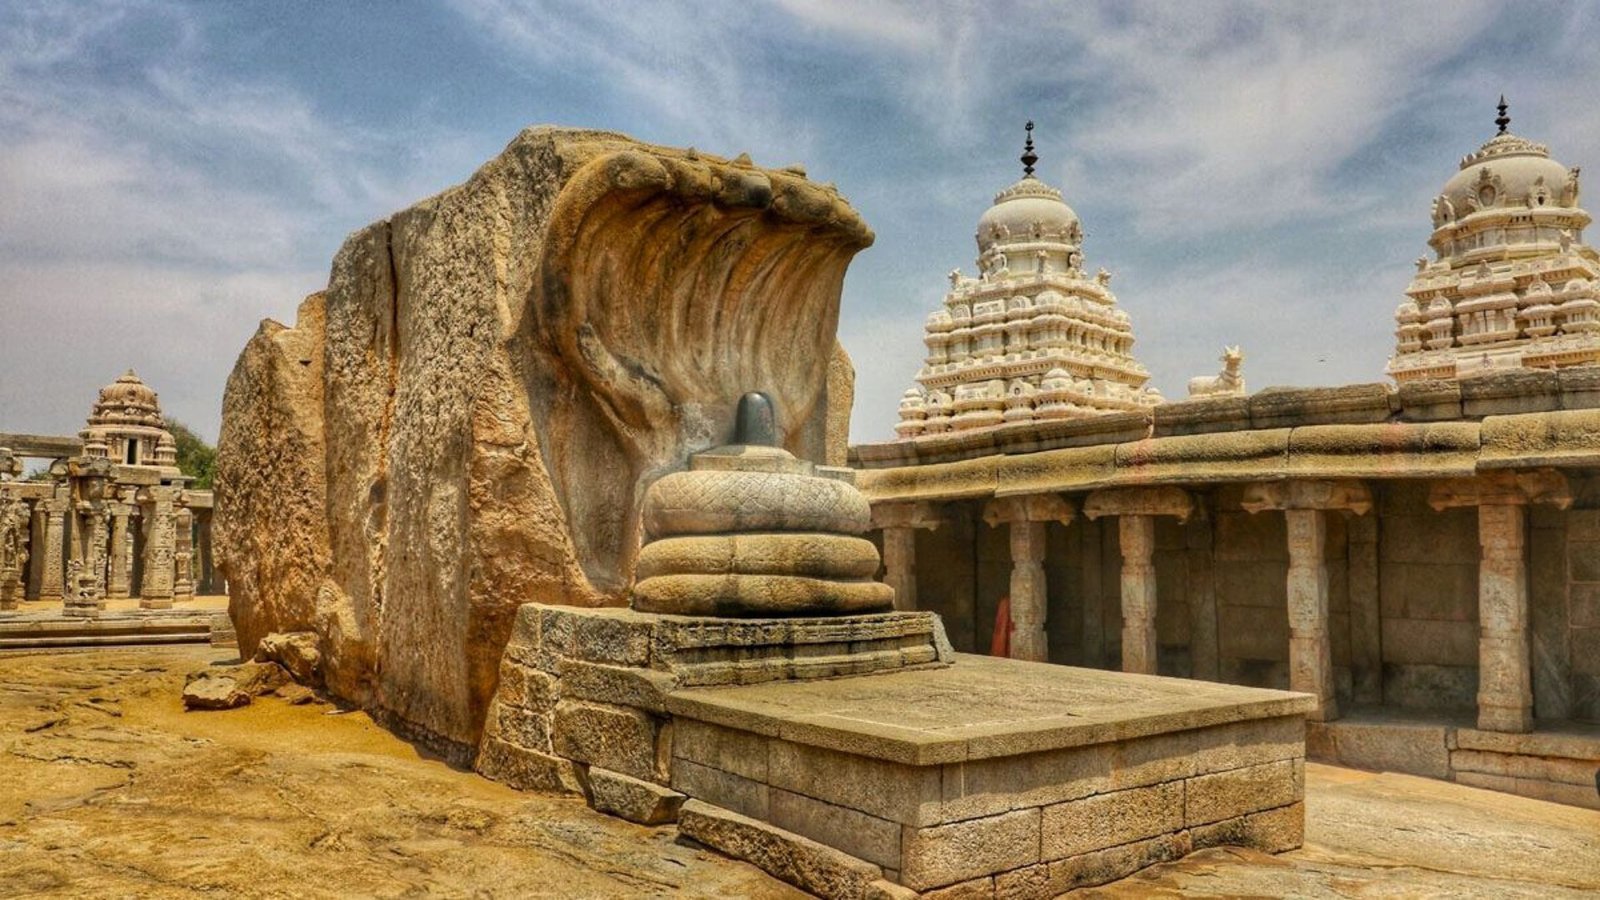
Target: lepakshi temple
[(1512, 284), (545, 479), (1420, 556), (1033, 336)]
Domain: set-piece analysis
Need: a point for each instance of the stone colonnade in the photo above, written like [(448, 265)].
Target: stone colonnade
[(1505, 696), (86, 539)]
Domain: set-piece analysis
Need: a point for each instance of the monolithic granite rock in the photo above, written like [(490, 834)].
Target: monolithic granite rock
[(468, 417)]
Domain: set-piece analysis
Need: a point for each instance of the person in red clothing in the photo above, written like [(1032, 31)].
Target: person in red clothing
[(1000, 644)]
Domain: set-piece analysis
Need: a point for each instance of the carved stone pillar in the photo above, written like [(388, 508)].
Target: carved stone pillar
[(1310, 648), (90, 481), (119, 568), (13, 548), (51, 561), (1505, 672), (156, 506), (1305, 506), (85, 590), (899, 522), (1138, 537), (1026, 516), (183, 555), (1136, 509)]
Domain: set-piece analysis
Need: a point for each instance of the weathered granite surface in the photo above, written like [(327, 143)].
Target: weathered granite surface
[(466, 419)]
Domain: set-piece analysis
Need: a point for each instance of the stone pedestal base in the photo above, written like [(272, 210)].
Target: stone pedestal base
[(995, 777)]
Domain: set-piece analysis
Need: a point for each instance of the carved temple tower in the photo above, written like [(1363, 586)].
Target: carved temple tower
[(126, 427), (1032, 337), (1512, 284)]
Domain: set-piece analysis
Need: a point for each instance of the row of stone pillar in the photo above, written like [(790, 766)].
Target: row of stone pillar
[(1505, 696), (77, 545)]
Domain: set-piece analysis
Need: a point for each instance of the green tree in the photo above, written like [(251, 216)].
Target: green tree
[(196, 458)]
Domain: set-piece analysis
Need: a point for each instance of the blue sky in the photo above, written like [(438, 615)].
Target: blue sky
[(1258, 174)]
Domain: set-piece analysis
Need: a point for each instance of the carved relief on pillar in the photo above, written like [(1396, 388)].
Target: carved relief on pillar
[(1136, 509), (13, 548), (53, 513), (183, 555), (90, 481), (1137, 537), (157, 510), (1305, 505), (1140, 501), (1348, 495), (119, 565)]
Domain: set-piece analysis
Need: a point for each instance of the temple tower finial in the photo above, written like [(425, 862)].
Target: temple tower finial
[(1502, 120), (1028, 156)]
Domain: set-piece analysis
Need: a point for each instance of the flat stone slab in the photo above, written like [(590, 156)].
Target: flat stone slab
[(982, 707), (39, 630)]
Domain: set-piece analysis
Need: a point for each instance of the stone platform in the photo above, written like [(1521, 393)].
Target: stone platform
[(856, 756), (38, 626), (1557, 761)]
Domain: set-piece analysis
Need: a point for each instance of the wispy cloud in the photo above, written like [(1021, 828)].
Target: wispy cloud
[(153, 209), (1254, 172), (684, 66)]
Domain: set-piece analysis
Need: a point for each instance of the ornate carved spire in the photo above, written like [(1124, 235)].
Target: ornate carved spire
[(1028, 156), (1502, 120)]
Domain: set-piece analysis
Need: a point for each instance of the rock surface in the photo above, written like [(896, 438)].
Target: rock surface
[(108, 789), (467, 417), (232, 686), (296, 652)]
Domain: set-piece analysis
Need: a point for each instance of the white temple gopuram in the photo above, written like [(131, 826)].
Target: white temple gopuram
[(1512, 284), (1032, 337)]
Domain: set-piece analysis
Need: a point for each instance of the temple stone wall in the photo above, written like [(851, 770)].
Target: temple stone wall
[(1252, 564), (1063, 567), (1582, 559), (1172, 580), (1428, 582)]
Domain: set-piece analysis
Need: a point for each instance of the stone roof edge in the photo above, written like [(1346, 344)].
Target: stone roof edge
[(1376, 450), (1471, 399)]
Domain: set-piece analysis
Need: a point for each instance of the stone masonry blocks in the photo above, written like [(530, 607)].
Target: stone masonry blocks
[(1224, 795), (945, 854), (1107, 820), (613, 737)]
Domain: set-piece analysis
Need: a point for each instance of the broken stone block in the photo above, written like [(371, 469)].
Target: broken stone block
[(295, 651), (632, 799), (800, 861), (296, 694), (229, 687)]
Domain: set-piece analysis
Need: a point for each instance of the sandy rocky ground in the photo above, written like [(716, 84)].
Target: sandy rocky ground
[(109, 789)]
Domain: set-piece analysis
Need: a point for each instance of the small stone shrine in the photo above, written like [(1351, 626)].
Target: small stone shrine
[(113, 519)]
